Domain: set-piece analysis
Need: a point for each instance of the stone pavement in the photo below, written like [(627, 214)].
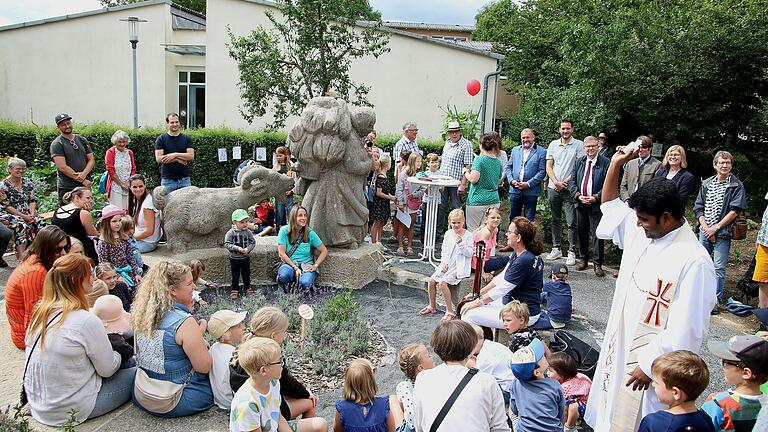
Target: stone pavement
[(393, 310)]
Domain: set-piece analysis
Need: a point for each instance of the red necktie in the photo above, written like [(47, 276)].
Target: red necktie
[(586, 178)]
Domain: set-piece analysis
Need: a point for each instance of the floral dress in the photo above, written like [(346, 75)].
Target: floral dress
[(19, 199)]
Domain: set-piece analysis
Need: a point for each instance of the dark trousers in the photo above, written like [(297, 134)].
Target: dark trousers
[(448, 193), (240, 267), (520, 204), (5, 238), (586, 222)]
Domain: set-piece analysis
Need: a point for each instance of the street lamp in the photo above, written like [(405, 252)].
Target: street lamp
[(133, 38)]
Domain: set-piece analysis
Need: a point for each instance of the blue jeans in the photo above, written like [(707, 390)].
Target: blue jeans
[(286, 275), (174, 184), (522, 204), (282, 211), (145, 247), (114, 392), (720, 249)]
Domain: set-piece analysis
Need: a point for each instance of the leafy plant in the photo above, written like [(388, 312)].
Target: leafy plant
[(469, 120), (69, 426), (14, 419)]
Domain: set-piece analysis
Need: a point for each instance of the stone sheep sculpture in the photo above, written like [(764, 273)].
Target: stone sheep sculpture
[(198, 218), (332, 164)]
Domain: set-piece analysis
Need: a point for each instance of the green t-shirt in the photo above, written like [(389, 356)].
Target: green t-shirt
[(486, 190), (303, 253)]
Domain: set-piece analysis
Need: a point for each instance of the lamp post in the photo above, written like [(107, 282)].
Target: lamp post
[(133, 38)]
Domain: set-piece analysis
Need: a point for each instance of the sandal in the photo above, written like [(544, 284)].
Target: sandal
[(233, 295), (249, 292), (448, 316), (427, 310), (410, 251), (400, 251)]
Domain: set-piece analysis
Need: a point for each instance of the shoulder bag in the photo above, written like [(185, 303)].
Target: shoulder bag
[(739, 230), (452, 398), (295, 246), (23, 396)]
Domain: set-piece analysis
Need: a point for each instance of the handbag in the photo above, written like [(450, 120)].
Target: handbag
[(452, 398), (158, 396), (739, 231), (23, 396), (103, 183), (295, 246)]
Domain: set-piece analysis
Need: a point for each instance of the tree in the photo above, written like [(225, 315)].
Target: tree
[(195, 5), (307, 53)]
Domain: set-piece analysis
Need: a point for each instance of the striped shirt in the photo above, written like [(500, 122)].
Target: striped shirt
[(714, 199)]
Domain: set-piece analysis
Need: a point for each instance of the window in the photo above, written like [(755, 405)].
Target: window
[(192, 99)]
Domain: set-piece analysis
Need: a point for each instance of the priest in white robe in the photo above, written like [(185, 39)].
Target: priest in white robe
[(663, 299)]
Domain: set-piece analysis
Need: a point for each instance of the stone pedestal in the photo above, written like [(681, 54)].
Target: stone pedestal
[(344, 268)]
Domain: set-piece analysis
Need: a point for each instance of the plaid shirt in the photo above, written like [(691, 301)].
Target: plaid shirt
[(405, 145), (455, 157), (762, 235)]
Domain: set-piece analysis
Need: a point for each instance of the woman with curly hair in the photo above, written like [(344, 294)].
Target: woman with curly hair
[(169, 341)]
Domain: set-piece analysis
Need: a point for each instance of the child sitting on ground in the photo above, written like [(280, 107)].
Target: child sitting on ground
[(361, 409), (455, 265), (494, 358), (98, 289), (272, 323), (239, 241), (413, 358), (197, 268), (262, 217), (117, 323), (106, 273), (562, 368), (745, 365), (558, 296), (127, 229), (77, 246), (515, 317), (535, 399), (256, 404), (113, 249), (227, 328), (679, 377)]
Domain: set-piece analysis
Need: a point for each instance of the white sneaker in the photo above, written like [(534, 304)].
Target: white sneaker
[(555, 254), (367, 238), (571, 259)]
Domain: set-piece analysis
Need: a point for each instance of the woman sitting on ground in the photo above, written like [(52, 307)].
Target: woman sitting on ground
[(169, 341), (21, 204), (62, 332), (522, 279), (294, 247), (74, 218), (25, 285), (143, 211)]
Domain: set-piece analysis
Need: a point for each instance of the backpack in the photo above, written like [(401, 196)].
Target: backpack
[(585, 356)]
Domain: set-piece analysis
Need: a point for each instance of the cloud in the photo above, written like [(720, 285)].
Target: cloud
[(433, 11), (15, 11)]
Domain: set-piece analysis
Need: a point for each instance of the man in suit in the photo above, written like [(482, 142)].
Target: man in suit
[(639, 171), (603, 149), (589, 175), (525, 171)]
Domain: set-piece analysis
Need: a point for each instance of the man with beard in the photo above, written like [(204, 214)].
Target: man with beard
[(73, 157), (173, 151)]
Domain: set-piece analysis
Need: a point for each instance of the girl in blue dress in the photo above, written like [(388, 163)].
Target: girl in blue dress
[(361, 410)]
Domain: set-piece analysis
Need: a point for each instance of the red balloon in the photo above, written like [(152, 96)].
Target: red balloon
[(473, 87)]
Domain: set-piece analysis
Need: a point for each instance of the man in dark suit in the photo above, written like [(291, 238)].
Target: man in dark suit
[(639, 171), (589, 175)]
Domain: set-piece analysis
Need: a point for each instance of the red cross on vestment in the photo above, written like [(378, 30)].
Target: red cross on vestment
[(658, 300)]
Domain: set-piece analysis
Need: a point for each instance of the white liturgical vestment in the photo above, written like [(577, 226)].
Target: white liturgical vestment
[(650, 271)]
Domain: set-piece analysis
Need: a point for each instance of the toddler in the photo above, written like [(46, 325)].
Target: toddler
[(227, 328), (98, 289), (745, 365), (361, 409), (562, 368), (113, 249), (535, 399), (106, 273), (515, 317), (256, 404), (239, 241), (558, 296), (77, 246), (679, 377), (117, 323), (413, 358), (270, 322), (127, 228), (455, 265)]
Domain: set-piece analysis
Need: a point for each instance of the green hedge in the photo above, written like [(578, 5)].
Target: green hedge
[(31, 143)]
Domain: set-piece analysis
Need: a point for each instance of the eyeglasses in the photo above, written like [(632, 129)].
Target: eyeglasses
[(411, 130), (281, 362), (65, 249)]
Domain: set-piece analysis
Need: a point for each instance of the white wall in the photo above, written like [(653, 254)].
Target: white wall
[(408, 83)]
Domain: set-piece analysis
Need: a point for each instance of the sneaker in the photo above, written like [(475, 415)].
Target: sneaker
[(367, 238), (555, 254), (571, 259)]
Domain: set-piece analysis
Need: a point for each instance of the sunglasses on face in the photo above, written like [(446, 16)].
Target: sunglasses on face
[(731, 362), (63, 249)]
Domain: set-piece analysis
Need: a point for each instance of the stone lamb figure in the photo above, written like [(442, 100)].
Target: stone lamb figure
[(198, 218), (328, 143)]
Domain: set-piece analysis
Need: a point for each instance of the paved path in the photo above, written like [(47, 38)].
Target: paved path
[(393, 309)]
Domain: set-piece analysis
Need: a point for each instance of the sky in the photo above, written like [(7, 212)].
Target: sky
[(433, 11)]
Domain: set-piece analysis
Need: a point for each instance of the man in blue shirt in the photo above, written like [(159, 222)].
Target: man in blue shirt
[(173, 151), (525, 171)]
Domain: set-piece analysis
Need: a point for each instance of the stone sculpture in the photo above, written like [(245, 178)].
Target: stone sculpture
[(198, 218), (327, 143)]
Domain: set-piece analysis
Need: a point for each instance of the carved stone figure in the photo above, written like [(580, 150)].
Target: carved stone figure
[(197, 218), (332, 164)]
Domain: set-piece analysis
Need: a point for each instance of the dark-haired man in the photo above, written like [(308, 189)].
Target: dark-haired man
[(173, 151), (639, 171), (664, 294), (73, 157)]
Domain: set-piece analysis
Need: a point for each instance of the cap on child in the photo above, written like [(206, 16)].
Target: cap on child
[(559, 269), (221, 321), (525, 359), (109, 309), (748, 349), (239, 215)]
